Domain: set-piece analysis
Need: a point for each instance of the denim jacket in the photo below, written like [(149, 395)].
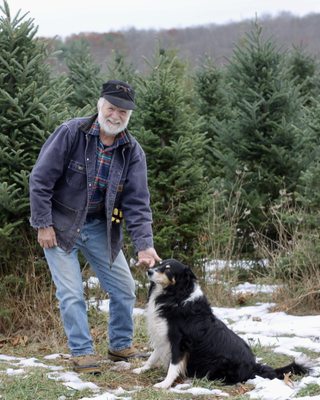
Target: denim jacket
[(61, 184)]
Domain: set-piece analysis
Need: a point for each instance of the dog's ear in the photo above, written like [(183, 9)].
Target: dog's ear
[(190, 275)]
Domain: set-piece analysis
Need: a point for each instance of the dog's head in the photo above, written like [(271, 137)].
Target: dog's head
[(171, 272)]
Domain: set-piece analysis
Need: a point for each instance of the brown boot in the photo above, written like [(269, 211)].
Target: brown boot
[(125, 354), (88, 363)]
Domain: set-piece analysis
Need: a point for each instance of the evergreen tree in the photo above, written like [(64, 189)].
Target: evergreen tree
[(31, 105), (304, 69), (213, 105), (309, 185), (121, 69), (84, 77), (168, 130), (261, 140), (210, 86)]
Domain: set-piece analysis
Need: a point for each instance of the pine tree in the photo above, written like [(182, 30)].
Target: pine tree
[(84, 76), (304, 69), (261, 140), (210, 87), (31, 105), (168, 130), (121, 69), (308, 188), (213, 105)]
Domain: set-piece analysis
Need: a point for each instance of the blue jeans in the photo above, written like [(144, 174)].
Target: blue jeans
[(117, 281)]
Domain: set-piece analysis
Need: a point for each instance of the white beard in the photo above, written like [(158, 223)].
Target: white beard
[(111, 127)]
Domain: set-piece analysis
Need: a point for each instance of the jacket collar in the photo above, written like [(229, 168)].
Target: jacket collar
[(86, 125)]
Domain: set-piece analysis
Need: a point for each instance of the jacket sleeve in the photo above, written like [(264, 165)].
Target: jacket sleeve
[(47, 170), (136, 202)]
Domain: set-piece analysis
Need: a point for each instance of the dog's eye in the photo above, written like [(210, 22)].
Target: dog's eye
[(168, 266)]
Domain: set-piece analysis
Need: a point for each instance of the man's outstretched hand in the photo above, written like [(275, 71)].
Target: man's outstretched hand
[(148, 257)]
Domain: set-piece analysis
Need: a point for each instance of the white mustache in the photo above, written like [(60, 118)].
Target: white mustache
[(115, 122)]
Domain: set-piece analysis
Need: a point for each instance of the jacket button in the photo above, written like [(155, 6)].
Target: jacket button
[(78, 230)]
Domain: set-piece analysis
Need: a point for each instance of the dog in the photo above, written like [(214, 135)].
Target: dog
[(190, 341)]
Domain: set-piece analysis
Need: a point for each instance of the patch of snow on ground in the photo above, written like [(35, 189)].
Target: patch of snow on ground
[(71, 379), (253, 288), (214, 265), (187, 388), (92, 282), (106, 396), (255, 324)]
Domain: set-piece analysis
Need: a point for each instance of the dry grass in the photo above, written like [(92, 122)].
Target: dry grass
[(111, 377), (45, 336), (295, 263)]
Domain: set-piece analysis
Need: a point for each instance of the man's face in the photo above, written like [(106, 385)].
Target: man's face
[(112, 119)]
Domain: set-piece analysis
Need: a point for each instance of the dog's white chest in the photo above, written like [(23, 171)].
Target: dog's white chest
[(157, 326)]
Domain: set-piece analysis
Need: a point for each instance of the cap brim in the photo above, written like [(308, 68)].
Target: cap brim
[(121, 103)]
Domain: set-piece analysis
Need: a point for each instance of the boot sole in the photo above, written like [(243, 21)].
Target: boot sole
[(91, 369), (114, 357)]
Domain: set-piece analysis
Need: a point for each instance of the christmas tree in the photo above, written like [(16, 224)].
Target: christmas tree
[(31, 105), (169, 132), (260, 141)]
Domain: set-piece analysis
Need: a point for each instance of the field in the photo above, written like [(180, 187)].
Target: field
[(41, 369)]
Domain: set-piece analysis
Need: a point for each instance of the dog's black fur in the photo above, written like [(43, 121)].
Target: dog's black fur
[(200, 343)]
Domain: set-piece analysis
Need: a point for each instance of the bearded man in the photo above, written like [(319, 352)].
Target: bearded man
[(91, 174)]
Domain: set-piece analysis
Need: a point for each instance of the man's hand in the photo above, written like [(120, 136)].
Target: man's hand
[(148, 257), (47, 237)]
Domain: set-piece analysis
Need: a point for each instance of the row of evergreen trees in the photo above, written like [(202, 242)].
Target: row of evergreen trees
[(248, 131)]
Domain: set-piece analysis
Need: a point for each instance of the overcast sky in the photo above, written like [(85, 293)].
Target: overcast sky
[(65, 17)]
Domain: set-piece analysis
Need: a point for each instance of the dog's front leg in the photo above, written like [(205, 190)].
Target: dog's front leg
[(178, 361), (173, 372), (152, 361)]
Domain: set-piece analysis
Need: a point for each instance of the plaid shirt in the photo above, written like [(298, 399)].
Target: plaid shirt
[(104, 157)]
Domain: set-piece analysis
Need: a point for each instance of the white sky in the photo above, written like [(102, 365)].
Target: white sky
[(65, 17)]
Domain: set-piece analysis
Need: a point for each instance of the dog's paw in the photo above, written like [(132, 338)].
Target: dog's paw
[(162, 385), (141, 369)]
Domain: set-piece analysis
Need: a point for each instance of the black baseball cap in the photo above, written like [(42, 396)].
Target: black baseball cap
[(119, 93)]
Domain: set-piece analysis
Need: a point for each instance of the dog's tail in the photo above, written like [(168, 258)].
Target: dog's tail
[(300, 366)]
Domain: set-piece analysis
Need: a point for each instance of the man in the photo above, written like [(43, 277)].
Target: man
[(91, 173)]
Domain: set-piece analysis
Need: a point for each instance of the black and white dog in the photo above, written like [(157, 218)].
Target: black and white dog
[(187, 338)]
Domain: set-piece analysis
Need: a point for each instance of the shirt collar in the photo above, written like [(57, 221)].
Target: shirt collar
[(121, 138)]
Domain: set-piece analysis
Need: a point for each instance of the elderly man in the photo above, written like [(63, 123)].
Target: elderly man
[(90, 174)]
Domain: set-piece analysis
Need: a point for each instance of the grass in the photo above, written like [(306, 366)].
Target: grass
[(40, 339), (309, 353), (29, 315), (218, 287), (37, 385), (310, 390), (268, 356)]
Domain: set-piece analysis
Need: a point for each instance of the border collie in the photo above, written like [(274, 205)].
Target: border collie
[(189, 340)]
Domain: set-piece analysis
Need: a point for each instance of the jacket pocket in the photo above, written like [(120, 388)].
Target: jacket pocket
[(76, 175), (63, 217)]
